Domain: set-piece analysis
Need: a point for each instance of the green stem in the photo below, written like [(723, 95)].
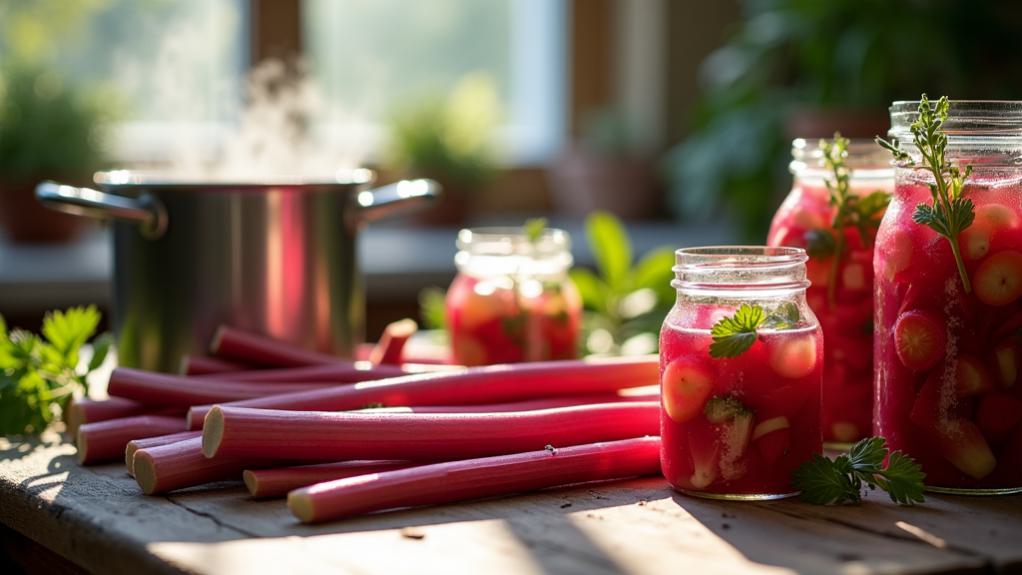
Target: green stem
[(958, 262)]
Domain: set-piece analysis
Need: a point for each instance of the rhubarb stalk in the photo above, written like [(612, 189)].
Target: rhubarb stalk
[(175, 390), (84, 410), (392, 343), (278, 481), (204, 365), (476, 478), (333, 373), (465, 386), (147, 442), (254, 349), (178, 465), (240, 432), (106, 440)]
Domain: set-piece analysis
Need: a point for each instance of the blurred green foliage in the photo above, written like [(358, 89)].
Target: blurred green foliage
[(448, 137), (788, 55)]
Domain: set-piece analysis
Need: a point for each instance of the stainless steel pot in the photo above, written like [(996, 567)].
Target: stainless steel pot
[(274, 257)]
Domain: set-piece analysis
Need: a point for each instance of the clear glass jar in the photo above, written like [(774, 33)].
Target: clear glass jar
[(738, 427), (841, 293), (512, 299), (948, 390)]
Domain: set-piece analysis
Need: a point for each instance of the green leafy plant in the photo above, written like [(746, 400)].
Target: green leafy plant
[(38, 375), (448, 138), (840, 481), (734, 335), (625, 304), (48, 128), (950, 213), (849, 210)]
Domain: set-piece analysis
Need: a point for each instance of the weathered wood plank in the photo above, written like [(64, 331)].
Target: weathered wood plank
[(96, 517)]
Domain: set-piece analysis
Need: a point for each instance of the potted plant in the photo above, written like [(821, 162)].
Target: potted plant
[(48, 130), (448, 140)]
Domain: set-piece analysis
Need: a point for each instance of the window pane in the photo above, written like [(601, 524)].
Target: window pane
[(373, 57)]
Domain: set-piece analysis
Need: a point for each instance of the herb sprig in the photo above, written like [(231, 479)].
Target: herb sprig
[(840, 481), (735, 334), (849, 209), (950, 213), (39, 374)]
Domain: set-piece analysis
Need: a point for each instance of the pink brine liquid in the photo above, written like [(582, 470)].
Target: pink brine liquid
[(737, 427), (948, 386)]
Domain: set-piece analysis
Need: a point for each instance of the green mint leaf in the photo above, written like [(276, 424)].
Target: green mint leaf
[(534, 229), (903, 479), (819, 243), (733, 336), (785, 316), (69, 330), (432, 307), (100, 348), (840, 481), (823, 483), (611, 249)]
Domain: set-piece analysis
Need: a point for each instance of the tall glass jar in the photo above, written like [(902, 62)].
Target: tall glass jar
[(512, 299), (841, 293), (948, 388), (737, 426)]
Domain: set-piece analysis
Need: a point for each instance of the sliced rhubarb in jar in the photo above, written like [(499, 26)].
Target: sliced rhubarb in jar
[(919, 340), (972, 377), (1007, 365), (685, 387), (998, 280), (704, 447), (964, 446), (793, 357)]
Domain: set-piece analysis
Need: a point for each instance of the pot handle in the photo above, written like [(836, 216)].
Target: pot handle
[(395, 198), (143, 210)]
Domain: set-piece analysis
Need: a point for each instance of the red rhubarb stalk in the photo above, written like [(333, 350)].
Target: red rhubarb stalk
[(106, 440), (204, 365), (178, 465), (238, 432), (335, 373), (529, 405), (84, 410), (392, 343), (474, 478), (174, 390), (465, 386), (278, 481), (147, 442), (259, 350)]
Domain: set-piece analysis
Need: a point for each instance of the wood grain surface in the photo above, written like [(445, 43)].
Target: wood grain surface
[(97, 518)]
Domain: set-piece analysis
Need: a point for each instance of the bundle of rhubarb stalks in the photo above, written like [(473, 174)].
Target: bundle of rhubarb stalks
[(340, 438)]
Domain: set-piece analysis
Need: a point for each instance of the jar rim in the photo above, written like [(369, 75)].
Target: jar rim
[(740, 268), (864, 157), (509, 240)]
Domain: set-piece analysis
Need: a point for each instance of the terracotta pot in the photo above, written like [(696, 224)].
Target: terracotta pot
[(582, 182), (27, 221)]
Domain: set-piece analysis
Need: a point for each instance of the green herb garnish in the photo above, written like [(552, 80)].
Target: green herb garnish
[(38, 375), (836, 482), (734, 335), (534, 229), (950, 213), (849, 209)]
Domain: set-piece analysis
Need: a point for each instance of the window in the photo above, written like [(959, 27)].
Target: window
[(372, 57)]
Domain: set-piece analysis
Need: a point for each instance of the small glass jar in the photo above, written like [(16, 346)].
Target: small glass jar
[(948, 386), (512, 299), (738, 427), (841, 293)]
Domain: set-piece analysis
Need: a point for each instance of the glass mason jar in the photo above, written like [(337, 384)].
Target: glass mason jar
[(947, 358), (738, 427), (512, 299), (841, 293)]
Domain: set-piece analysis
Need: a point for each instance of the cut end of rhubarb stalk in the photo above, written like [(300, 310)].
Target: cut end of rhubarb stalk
[(74, 419), (129, 457), (82, 443), (212, 431), (145, 472), (300, 504), (214, 344), (251, 482)]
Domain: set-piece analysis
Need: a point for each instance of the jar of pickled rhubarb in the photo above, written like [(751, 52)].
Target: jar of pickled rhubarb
[(741, 366), (512, 299), (840, 246), (949, 321)]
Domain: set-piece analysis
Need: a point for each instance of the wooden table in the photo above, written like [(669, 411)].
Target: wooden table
[(96, 518)]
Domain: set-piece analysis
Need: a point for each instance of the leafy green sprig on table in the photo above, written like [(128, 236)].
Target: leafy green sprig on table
[(735, 334), (38, 375), (849, 210), (840, 481), (949, 213)]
